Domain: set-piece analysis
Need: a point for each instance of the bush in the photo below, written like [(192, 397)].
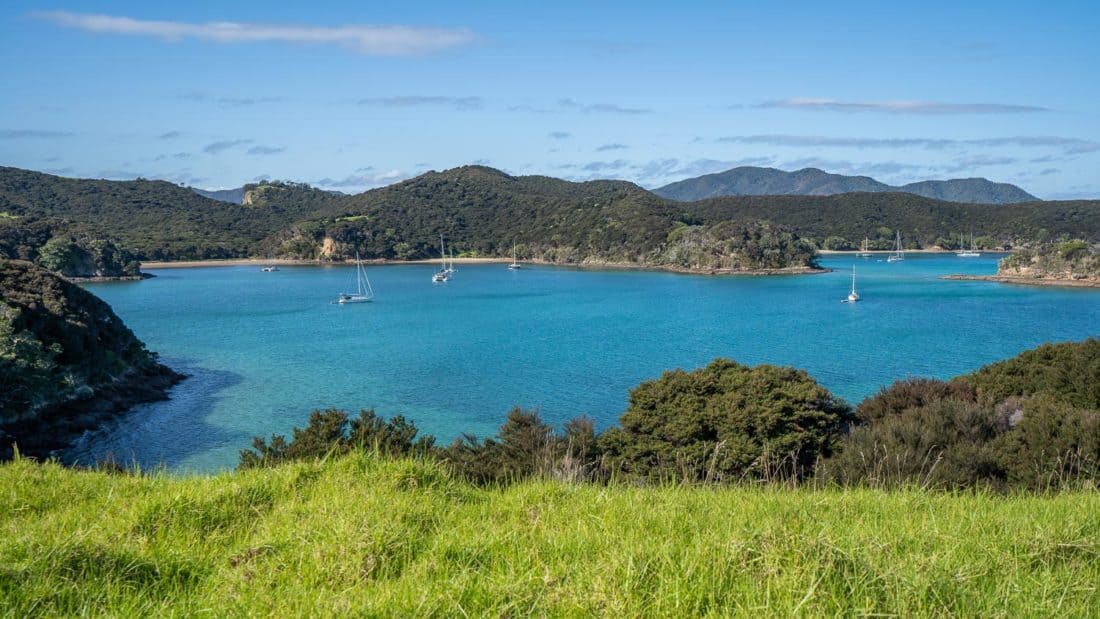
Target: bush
[(1053, 445), (327, 433), (836, 243), (1069, 372), (725, 422), (911, 393), (941, 444)]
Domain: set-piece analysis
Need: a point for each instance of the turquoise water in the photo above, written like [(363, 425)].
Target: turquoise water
[(264, 349)]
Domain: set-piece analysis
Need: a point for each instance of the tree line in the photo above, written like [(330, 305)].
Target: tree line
[(1031, 422)]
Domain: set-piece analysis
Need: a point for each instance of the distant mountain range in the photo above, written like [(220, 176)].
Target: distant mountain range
[(232, 196), (753, 181)]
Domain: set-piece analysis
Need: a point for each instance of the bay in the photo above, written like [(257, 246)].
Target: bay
[(264, 349)]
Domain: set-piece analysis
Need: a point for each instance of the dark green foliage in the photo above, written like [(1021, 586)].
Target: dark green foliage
[(735, 247), (21, 238), (726, 422), (58, 342), (911, 393), (479, 210), (1052, 445), (524, 446), (395, 437), (1069, 372), (921, 220), (836, 243), (96, 258), (155, 220), (1028, 422), (1015, 424), (328, 434), (945, 443)]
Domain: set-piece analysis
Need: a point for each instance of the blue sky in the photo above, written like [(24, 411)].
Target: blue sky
[(352, 95)]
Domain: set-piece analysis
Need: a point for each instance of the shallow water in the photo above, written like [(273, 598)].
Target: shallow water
[(264, 349)]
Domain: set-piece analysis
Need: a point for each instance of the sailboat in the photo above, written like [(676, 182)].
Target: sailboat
[(443, 274), (853, 296), (863, 253), (969, 253), (364, 293), (897, 255), (515, 265)]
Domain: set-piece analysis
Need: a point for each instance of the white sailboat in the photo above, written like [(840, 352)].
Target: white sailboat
[(364, 293), (443, 274), (863, 252), (853, 296), (897, 255), (515, 265), (969, 253)]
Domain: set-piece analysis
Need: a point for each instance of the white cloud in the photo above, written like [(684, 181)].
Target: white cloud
[(602, 108), (15, 134), (266, 150), (373, 40), (217, 147), (899, 107), (1071, 146), (364, 177), (458, 103)]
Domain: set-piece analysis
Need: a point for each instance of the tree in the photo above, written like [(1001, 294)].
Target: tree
[(726, 421)]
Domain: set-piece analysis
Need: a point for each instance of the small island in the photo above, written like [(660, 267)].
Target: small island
[(1074, 264)]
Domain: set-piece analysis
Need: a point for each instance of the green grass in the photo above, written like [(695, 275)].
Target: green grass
[(364, 536)]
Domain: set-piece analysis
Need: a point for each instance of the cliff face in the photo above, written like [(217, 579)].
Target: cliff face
[(66, 361)]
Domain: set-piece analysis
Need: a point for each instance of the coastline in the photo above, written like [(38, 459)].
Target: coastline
[(1028, 281), (594, 265), (928, 250), (110, 278), (57, 425)]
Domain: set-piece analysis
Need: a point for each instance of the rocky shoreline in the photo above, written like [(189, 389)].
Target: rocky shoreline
[(1029, 281), (56, 427), (110, 278)]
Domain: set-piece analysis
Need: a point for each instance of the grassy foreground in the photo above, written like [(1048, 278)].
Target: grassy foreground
[(363, 535)]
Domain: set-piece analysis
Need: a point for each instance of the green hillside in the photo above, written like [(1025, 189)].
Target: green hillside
[(481, 211), (66, 361), (364, 536), (923, 222), (153, 219)]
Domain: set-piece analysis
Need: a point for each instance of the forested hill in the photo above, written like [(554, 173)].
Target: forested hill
[(152, 219), (754, 181), (481, 211), (923, 222), (66, 361)]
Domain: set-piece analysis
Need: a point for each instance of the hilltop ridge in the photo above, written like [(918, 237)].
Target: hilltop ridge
[(757, 181)]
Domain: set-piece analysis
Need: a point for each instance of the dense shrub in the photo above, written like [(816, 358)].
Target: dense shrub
[(726, 421), (1016, 424), (944, 443), (328, 433), (1069, 372), (1032, 421), (911, 393), (1052, 445)]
